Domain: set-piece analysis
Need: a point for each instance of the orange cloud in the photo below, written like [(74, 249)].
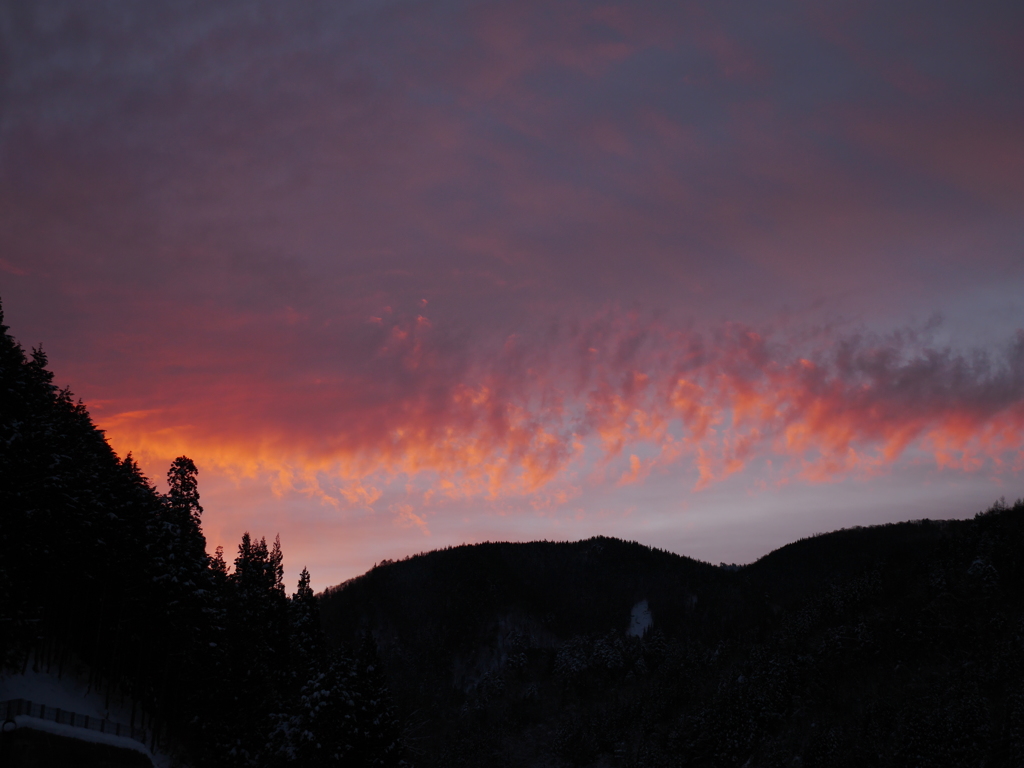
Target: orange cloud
[(515, 424)]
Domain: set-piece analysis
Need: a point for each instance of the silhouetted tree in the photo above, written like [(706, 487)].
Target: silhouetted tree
[(306, 632)]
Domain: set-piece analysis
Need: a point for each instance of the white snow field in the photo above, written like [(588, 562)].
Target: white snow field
[(640, 619), (71, 693)]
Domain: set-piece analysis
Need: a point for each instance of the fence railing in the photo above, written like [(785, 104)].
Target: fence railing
[(14, 707)]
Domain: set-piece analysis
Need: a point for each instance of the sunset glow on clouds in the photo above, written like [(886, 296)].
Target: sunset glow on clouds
[(400, 276), (519, 424)]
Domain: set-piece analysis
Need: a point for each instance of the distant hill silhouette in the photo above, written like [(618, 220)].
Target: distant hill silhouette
[(894, 645), (898, 645)]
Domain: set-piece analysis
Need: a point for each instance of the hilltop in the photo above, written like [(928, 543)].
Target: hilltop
[(896, 645), (890, 645)]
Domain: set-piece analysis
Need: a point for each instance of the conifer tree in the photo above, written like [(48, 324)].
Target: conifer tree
[(305, 726), (74, 537), (277, 619), (255, 669), (306, 631), (95, 562), (219, 568), (183, 523), (18, 402), (183, 490)]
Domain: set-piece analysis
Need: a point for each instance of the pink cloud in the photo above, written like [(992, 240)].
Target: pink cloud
[(475, 424)]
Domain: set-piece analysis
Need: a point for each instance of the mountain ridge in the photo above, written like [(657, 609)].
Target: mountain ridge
[(854, 647)]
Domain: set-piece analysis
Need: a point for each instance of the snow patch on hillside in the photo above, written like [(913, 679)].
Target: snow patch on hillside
[(640, 619)]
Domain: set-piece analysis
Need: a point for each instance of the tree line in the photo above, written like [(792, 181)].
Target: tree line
[(98, 567)]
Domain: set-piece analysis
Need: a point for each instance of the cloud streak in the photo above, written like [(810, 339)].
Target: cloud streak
[(612, 400), (465, 260)]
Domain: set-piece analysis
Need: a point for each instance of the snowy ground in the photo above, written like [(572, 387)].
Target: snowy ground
[(84, 734), (70, 692), (640, 619)]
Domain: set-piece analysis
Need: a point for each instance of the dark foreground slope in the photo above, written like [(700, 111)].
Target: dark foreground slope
[(898, 645), (27, 748), (99, 571)]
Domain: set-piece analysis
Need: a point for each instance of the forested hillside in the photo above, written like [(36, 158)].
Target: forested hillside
[(98, 567), (899, 645)]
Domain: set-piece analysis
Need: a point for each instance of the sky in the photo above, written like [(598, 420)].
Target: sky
[(397, 275)]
